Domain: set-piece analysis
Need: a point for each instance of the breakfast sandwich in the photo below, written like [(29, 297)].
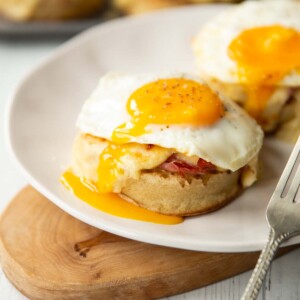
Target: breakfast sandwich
[(169, 143), (251, 54)]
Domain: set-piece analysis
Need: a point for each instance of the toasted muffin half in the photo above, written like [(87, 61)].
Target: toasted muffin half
[(156, 188)]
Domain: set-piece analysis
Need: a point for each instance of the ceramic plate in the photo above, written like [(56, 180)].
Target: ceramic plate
[(43, 110)]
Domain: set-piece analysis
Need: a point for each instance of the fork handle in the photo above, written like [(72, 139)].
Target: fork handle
[(254, 285)]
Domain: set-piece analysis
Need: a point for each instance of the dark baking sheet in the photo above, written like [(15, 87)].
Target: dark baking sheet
[(48, 28)]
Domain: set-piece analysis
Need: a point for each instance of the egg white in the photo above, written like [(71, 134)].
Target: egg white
[(210, 45), (230, 143)]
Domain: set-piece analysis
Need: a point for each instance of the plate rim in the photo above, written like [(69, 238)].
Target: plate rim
[(8, 117)]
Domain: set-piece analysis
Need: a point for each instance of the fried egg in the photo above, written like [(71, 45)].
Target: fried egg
[(253, 40), (251, 54), (173, 111)]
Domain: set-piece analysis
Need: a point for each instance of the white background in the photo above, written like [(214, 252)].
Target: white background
[(17, 57)]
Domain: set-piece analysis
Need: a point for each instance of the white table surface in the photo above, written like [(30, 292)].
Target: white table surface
[(18, 56)]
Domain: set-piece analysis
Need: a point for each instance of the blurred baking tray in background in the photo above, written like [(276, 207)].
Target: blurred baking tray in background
[(109, 10), (52, 18), (41, 27), (50, 28)]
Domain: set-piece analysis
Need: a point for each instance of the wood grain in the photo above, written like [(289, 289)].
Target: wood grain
[(47, 254)]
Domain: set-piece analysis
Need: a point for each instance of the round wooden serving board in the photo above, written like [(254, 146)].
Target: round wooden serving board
[(47, 254)]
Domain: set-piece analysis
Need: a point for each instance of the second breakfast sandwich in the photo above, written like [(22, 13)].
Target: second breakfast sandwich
[(167, 143), (251, 54)]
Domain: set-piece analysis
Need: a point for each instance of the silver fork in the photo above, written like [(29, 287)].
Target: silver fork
[(283, 215)]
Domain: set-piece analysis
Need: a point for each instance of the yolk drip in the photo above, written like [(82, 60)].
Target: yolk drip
[(110, 166), (112, 203), (264, 55), (167, 102)]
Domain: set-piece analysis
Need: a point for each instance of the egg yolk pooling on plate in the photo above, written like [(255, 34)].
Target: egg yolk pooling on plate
[(112, 203), (167, 102), (264, 56)]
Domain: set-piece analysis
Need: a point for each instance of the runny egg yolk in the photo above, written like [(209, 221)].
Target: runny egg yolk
[(168, 102), (110, 166), (264, 55), (112, 203)]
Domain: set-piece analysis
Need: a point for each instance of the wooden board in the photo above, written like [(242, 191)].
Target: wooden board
[(47, 254)]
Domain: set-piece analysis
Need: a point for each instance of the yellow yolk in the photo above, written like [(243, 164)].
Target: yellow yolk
[(264, 55), (167, 102), (110, 167), (112, 203)]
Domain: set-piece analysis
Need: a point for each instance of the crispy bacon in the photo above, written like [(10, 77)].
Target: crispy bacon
[(175, 165)]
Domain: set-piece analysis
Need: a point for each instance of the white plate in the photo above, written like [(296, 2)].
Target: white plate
[(41, 127)]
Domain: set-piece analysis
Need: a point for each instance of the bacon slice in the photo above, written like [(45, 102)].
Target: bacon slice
[(175, 165)]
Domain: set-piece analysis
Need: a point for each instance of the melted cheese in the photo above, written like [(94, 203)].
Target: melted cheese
[(127, 161), (117, 163)]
